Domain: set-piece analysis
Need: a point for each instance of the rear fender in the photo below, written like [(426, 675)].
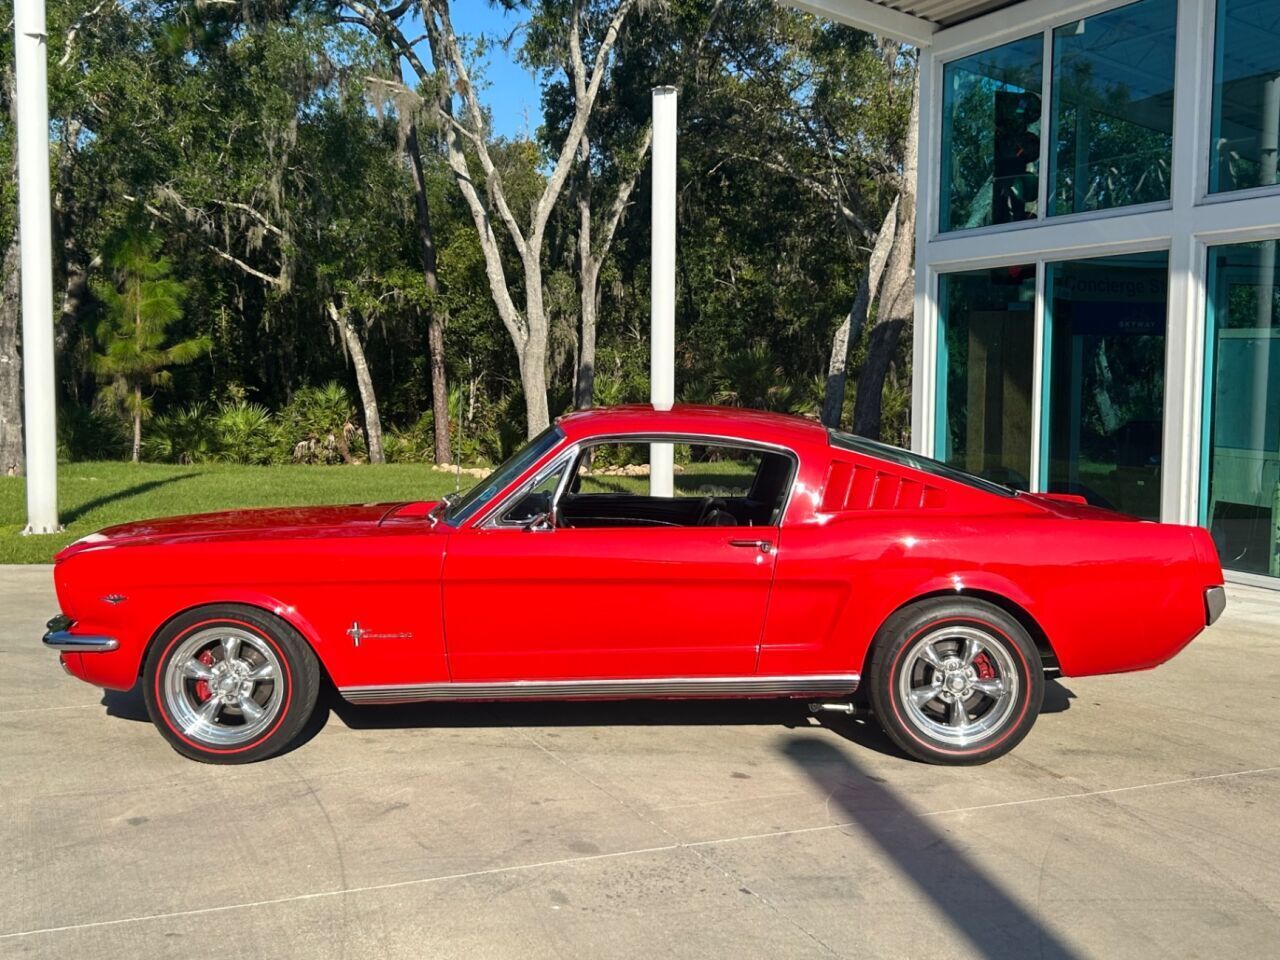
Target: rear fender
[(977, 584)]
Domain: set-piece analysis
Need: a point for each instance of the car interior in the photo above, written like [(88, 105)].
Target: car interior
[(702, 499)]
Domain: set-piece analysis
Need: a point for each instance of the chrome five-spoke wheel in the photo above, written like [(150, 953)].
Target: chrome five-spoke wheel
[(222, 686), (955, 680), (230, 684), (958, 683)]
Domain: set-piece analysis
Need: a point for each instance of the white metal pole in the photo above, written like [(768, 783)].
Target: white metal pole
[(662, 321), (39, 413)]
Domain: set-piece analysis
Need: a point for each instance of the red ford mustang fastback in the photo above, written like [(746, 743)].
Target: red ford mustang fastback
[(786, 560)]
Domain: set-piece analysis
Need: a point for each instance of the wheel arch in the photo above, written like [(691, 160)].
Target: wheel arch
[(286, 614), (996, 598)]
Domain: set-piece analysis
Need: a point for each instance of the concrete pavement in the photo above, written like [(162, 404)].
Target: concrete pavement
[(1141, 818)]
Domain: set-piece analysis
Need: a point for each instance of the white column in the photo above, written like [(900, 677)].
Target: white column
[(662, 321), (39, 413), (1185, 333), (924, 337)]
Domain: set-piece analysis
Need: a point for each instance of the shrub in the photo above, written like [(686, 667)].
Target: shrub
[(318, 426), (247, 434), (414, 444), (89, 434), (185, 435)]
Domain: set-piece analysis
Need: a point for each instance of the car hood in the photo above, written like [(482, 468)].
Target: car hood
[(259, 524)]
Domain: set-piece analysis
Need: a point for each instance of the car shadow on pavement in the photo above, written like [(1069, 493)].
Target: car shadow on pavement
[(581, 713), (980, 911), (131, 705), (861, 727)]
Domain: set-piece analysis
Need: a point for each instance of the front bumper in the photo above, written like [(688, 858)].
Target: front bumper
[(1215, 601), (60, 637)]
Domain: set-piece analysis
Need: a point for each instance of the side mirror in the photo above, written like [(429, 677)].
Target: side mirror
[(542, 521), (528, 508)]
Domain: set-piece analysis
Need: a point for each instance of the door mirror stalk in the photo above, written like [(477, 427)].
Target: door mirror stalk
[(542, 522)]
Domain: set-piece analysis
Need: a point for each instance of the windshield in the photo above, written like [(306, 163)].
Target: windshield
[(466, 506), (872, 448)]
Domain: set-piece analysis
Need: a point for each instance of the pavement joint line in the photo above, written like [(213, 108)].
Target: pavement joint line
[(587, 858), (70, 706)]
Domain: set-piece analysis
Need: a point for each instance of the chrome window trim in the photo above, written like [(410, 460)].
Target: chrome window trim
[(482, 512), (495, 519), (797, 685), (491, 518)]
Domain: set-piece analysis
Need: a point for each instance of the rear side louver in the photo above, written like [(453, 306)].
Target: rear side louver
[(852, 486)]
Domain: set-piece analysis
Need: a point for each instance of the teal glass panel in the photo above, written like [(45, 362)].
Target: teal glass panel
[(1246, 96), (1242, 492), (991, 136), (1105, 387), (1113, 108), (985, 385)]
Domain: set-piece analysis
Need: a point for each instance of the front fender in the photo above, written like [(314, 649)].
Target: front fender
[(136, 620)]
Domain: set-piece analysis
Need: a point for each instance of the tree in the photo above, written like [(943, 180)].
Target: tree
[(898, 304), (468, 142), (662, 49), (12, 453), (141, 301)]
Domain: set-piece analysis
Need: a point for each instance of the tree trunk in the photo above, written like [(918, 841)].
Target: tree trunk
[(898, 302), (850, 330), (533, 359), (584, 389), (437, 315), (137, 424), (12, 462), (880, 353), (364, 383), (12, 451), (589, 279)]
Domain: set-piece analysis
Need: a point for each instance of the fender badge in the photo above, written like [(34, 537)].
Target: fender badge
[(114, 598), (358, 633)]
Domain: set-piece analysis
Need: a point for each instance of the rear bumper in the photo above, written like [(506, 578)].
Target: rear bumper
[(1215, 601), (60, 637)]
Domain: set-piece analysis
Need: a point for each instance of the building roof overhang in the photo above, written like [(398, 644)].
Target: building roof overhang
[(911, 21)]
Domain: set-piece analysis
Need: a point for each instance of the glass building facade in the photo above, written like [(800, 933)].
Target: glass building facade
[(1099, 279), (1242, 449)]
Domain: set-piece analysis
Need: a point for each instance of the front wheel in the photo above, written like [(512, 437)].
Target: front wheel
[(955, 681), (230, 684)]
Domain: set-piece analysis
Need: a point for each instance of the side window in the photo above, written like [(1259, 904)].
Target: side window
[(713, 485)]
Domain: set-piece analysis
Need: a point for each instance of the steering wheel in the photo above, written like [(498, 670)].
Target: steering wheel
[(715, 513)]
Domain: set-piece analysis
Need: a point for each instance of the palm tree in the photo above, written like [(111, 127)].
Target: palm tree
[(141, 302)]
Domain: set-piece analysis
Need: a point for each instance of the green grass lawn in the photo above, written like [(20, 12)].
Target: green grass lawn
[(96, 495)]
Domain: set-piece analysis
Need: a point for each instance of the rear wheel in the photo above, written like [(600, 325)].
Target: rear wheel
[(955, 680), (229, 684)]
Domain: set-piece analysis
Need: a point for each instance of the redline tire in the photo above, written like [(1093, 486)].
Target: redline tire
[(955, 681), (230, 684)]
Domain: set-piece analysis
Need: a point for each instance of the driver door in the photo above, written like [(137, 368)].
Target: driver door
[(631, 595)]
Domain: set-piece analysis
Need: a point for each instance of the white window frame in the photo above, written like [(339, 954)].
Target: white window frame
[(1186, 226)]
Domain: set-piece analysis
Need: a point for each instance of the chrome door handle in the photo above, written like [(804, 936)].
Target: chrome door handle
[(764, 546)]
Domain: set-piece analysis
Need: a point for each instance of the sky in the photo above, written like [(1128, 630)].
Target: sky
[(512, 93)]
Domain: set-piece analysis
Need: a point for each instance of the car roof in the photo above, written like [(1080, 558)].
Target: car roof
[(726, 422)]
